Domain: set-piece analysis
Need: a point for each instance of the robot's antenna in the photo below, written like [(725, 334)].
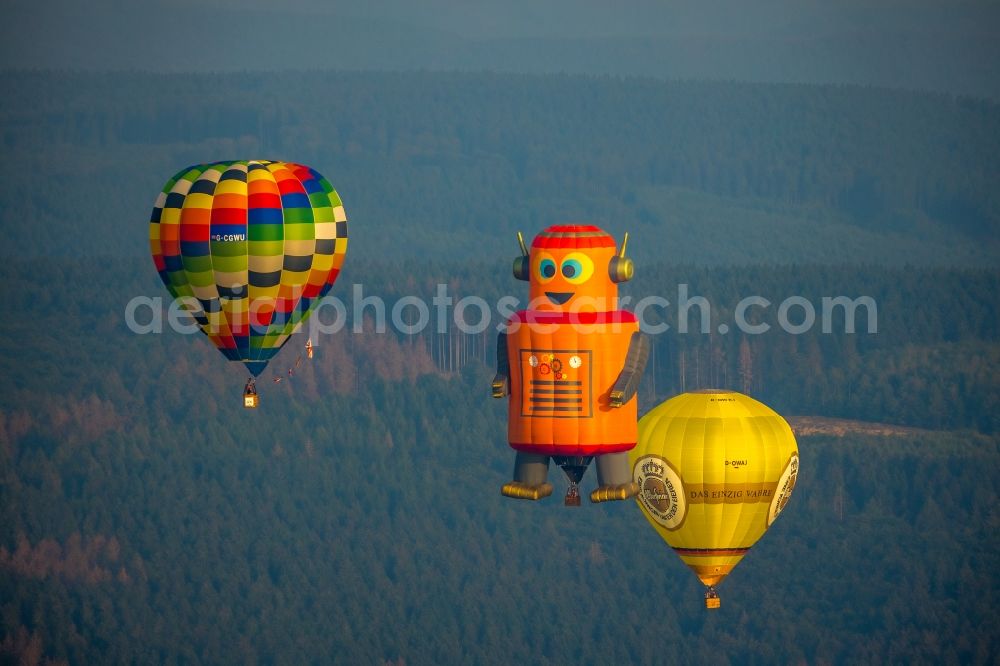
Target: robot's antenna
[(521, 269), (520, 241), (624, 243)]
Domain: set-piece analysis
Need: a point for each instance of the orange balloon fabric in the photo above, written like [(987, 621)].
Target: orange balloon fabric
[(568, 348)]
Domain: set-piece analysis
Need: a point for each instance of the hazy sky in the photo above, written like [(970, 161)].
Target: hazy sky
[(952, 46)]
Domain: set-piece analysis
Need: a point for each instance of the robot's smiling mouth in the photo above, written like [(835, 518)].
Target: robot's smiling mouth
[(559, 297)]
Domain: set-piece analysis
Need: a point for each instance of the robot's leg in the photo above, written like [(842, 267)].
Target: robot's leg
[(530, 473), (531, 469), (613, 478)]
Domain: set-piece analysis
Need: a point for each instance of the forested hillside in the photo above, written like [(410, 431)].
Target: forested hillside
[(146, 517), (932, 362), (217, 545), (450, 165), (356, 517)]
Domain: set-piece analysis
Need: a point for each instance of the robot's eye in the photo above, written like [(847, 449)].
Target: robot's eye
[(547, 269), (577, 268)]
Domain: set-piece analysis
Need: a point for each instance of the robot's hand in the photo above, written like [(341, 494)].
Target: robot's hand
[(501, 386), (617, 398)]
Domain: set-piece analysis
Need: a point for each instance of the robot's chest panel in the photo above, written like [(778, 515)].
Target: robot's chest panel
[(557, 383)]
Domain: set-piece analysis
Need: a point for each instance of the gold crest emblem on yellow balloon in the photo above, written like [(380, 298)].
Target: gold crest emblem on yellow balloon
[(714, 469)]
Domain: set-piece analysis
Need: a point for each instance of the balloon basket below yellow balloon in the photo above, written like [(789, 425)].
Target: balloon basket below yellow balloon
[(712, 599)]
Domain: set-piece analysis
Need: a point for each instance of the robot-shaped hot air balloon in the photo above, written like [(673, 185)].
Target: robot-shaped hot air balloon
[(571, 363)]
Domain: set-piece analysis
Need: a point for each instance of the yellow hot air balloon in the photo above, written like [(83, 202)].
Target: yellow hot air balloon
[(714, 469)]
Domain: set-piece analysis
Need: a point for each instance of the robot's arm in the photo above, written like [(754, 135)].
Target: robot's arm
[(635, 362), (501, 383)]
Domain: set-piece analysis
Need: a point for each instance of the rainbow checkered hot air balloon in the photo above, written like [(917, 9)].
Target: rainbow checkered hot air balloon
[(248, 248)]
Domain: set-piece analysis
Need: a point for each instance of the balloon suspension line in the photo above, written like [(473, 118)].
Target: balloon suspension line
[(277, 379)]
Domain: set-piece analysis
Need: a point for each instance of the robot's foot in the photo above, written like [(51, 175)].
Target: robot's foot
[(614, 493), (519, 490)]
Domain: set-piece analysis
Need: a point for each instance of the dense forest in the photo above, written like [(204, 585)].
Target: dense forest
[(146, 517), (932, 361), (368, 527), (356, 517), (450, 165)]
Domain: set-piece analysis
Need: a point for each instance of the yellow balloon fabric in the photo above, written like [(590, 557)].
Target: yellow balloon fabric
[(714, 468)]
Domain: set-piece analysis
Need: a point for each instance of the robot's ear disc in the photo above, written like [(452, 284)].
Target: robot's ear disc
[(621, 269), (521, 268)]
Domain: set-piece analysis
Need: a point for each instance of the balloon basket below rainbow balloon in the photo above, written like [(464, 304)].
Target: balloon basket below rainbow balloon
[(251, 400), (250, 397)]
